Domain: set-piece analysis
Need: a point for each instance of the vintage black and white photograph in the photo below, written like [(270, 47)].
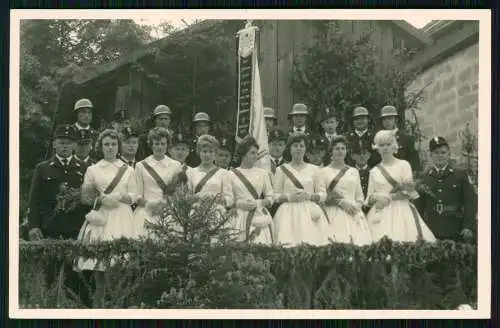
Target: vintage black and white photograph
[(201, 161)]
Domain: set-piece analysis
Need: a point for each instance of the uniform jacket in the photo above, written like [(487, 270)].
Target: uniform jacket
[(48, 178), (364, 142), (364, 174), (452, 204), (274, 165), (407, 150)]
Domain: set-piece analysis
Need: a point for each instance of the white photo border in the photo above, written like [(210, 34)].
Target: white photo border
[(484, 153)]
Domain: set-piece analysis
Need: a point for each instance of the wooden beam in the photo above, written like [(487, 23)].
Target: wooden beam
[(413, 31), (445, 47)]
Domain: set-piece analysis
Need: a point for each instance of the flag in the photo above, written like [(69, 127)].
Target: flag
[(257, 122)]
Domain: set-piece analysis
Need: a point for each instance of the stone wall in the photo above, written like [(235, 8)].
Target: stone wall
[(450, 100)]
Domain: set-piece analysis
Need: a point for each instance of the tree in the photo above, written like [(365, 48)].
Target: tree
[(342, 73)]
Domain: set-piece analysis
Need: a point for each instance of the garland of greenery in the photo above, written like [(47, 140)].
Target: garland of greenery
[(385, 275)]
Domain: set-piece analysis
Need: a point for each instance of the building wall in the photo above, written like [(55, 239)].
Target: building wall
[(281, 41), (450, 99)]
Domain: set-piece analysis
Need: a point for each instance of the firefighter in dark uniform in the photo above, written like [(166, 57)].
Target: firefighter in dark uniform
[(406, 143), (448, 201), (360, 156), (54, 200), (83, 148), (179, 147), (161, 117), (201, 124), (329, 121), (83, 110), (277, 145), (224, 158), (317, 150), (361, 136), (299, 116), (129, 146), (270, 119)]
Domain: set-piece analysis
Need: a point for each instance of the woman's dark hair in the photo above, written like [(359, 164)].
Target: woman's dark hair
[(244, 147), (157, 133), (111, 133), (336, 140), (295, 138)]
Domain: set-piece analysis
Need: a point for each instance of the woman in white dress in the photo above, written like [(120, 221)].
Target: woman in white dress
[(344, 200), (206, 179), (110, 188), (155, 178), (248, 189), (299, 218), (390, 191)]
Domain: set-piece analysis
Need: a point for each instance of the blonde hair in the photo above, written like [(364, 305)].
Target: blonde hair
[(206, 140), (384, 136)]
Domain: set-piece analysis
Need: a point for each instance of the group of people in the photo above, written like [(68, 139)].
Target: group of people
[(355, 187)]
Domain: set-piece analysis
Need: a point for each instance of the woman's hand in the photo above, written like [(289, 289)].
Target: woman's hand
[(141, 202), (348, 207), (110, 200), (399, 196), (382, 202), (247, 205), (126, 199)]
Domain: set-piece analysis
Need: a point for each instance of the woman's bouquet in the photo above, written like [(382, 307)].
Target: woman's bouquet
[(67, 199), (405, 190)]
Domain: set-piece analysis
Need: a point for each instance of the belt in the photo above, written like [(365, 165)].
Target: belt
[(440, 208)]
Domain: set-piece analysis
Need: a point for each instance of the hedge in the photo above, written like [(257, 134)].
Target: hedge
[(385, 275)]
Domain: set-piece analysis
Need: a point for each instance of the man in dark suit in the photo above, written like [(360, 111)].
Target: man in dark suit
[(317, 150), (224, 157), (299, 116), (54, 201), (161, 117), (179, 147), (361, 136), (83, 111), (83, 146), (277, 146), (448, 201), (129, 146), (201, 123), (406, 143), (270, 119)]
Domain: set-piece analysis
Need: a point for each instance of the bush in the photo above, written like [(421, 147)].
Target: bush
[(385, 275), (192, 261)]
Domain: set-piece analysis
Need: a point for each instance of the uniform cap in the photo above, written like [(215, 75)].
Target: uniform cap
[(437, 142), (269, 113), (327, 113), (201, 117), (277, 135), (299, 109), (318, 142), (65, 131), (161, 109), (180, 138), (227, 142), (82, 103), (128, 132), (360, 111), (388, 111)]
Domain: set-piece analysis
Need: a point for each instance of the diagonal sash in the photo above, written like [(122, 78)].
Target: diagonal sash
[(155, 176), (395, 185), (299, 185), (337, 178), (203, 181), (112, 185), (251, 213)]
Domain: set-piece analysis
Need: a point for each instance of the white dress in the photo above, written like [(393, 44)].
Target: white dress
[(235, 191), (399, 220), (119, 219), (213, 186), (148, 189), (344, 227), (299, 222)]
